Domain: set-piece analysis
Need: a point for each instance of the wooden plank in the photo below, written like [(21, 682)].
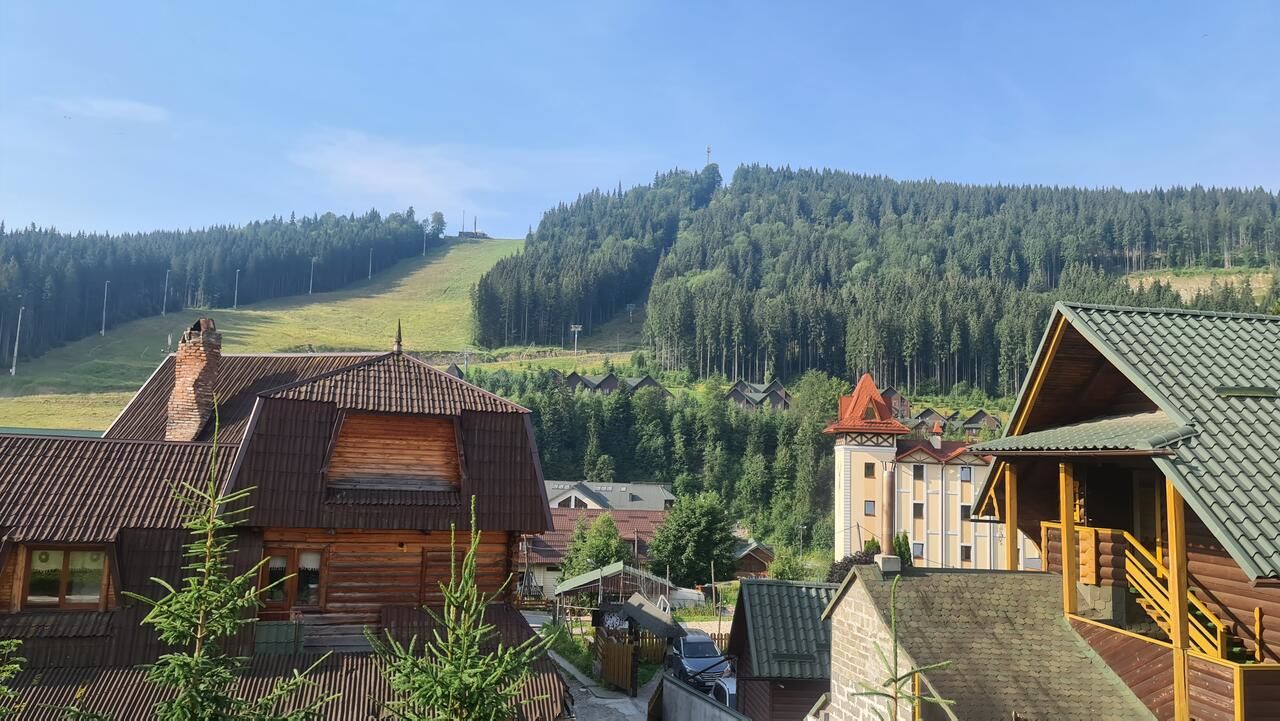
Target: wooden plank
[(1178, 600)]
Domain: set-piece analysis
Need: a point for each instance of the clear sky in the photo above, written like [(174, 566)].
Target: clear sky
[(136, 115)]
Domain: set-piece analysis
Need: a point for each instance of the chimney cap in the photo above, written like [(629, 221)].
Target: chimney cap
[(203, 325), (396, 347)]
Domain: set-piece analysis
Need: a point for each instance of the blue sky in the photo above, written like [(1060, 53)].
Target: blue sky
[(133, 116)]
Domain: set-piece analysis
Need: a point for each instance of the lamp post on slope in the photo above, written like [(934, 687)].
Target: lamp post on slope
[(575, 329), (106, 288), (17, 337)]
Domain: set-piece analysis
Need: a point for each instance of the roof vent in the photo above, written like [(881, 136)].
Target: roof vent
[(1247, 391)]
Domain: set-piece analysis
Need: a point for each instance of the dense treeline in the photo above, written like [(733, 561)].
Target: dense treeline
[(774, 470), (60, 278), (784, 271)]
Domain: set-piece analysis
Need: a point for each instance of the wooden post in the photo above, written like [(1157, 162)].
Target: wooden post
[(1011, 550), (1070, 559), (1178, 600)]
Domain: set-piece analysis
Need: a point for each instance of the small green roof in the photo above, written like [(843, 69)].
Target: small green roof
[(782, 625), (1217, 375), (613, 569), (1147, 433)]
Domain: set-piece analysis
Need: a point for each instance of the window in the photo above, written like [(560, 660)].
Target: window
[(966, 510), (966, 473), (869, 413), (868, 470), (566, 503), (917, 510), (917, 550), (65, 578), (966, 554), (294, 577), (868, 508), (917, 472)]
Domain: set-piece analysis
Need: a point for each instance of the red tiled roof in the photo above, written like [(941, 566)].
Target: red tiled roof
[(949, 450), (853, 417), (632, 525)]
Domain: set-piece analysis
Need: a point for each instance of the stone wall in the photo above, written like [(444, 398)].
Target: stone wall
[(856, 628)]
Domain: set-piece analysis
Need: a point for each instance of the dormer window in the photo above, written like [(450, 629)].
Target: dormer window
[(375, 451), (869, 413), (65, 578)]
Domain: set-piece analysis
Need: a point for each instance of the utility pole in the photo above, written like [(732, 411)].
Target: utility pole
[(311, 286), (708, 155), (371, 263), (575, 329), (106, 287), (164, 302), (235, 299), (424, 241), (17, 338), (631, 309)]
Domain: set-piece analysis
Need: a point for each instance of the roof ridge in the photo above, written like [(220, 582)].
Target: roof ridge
[(122, 441), (327, 374), (1170, 311)]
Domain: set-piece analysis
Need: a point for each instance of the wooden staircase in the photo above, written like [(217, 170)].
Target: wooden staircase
[(1148, 581)]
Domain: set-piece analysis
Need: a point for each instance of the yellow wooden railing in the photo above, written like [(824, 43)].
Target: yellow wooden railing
[(1146, 575)]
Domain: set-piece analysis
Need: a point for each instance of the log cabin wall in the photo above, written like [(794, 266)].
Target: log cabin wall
[(396, 450), (1226, 589), (1261, 694), (363, 571), (1100, 552), (1212, 690)]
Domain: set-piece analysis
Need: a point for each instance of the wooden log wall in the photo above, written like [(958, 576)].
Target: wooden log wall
[(363, 571), (1101, 555), (1211, 687), (1261, 694), (1145, 665), (390, 447)]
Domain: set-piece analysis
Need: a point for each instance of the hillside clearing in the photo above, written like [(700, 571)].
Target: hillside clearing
[(1188, 282)]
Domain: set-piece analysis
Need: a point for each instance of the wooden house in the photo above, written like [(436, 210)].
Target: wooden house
[(752, 559), (757, 396), (606, 383), (1142, 454), (541, 556), (899, 404), (781, 647), (640, 383), (978, 423), (360, 465)]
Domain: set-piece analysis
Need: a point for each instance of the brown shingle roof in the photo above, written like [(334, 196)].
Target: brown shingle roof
[(396, 383), (632, 525), (240, 379), (57, 489)]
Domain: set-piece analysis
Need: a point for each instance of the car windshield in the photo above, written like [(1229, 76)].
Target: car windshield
[(700, 649)]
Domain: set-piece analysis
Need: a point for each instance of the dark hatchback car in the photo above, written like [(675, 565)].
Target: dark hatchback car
[(695, 660)]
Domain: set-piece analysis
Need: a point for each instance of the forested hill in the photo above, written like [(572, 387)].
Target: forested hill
[(924, 283), (60, 278)]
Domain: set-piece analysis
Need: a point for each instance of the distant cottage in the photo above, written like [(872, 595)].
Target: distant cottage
[(609, 383), (756, 396)]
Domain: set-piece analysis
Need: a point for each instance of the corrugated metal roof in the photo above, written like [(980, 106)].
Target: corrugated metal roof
[(1227, 465), (240, 379), (1011, 652), (396, 383), (1132, 432), (85, 490), (780, 625)]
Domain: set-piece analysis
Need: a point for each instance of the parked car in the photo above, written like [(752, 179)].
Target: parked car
[(725, 692), (695, 660)]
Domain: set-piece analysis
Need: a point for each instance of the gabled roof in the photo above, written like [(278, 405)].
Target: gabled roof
[(779, 623), (949, 451), (866, 411), (1138, 433), (752, 546), (395, 383), (83, 490), (617, 496), (240, 379), (1011, 650), (614, 569), (979, 416), (635, 527), (927, 413), (1218, 374)]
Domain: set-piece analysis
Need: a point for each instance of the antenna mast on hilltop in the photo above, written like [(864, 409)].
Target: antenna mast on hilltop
[(708, 155)]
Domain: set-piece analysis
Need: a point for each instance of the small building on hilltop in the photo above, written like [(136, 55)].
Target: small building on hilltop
[(926, 488), (781, 646)]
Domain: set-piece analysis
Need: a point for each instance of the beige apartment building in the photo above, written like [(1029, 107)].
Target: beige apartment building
[(925, 487)]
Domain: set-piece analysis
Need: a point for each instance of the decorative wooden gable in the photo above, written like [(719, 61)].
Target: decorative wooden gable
[(395, 452)]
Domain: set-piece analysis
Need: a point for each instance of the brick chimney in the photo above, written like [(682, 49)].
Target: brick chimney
[(935, 436), (195, 370)]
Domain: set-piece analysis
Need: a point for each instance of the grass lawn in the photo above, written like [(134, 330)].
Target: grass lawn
[(85, 383)]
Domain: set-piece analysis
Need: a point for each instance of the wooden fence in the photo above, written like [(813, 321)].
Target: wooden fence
[(653, 649), (617, 658)]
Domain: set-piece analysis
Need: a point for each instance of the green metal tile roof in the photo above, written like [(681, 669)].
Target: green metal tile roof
[(1140, 432), (1011, 650), (613, 569), (1192, 365), (783, 625)]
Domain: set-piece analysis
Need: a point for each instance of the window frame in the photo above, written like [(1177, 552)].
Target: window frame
[(918, 510), (291, 552), (966, 511), (869, 507), (64, 578), (966, 469), (922, 475), (920, 544), (869, 469), (966, 547)]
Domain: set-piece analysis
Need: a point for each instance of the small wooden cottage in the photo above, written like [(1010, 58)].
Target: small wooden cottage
[(360, 465)]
